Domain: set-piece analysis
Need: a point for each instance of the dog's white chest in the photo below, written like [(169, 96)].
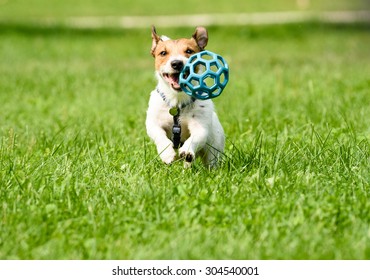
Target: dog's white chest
[(166, 121)]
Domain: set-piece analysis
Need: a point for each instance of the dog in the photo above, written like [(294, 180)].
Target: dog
[(181, 126)]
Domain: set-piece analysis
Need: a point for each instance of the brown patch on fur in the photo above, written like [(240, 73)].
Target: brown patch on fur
[(165, 49), (162, 50)]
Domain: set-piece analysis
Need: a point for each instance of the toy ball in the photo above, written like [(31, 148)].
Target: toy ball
[(204, 76)]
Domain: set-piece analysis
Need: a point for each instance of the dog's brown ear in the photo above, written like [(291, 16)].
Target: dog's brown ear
[(155, 40), (201, 37)]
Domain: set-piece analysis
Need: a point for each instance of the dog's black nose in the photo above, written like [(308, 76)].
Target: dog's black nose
[(177, 65)]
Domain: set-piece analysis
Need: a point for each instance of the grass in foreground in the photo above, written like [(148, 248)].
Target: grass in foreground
[(79, 179)]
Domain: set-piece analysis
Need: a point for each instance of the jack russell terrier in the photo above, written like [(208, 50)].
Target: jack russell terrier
[(179, 125)]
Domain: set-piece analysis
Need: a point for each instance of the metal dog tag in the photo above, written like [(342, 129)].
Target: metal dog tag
[(174, 111)]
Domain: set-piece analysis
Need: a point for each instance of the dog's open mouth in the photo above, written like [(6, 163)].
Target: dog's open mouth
[(173, 80)]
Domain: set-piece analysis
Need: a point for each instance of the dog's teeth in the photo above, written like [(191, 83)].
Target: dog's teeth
[(172, 79)]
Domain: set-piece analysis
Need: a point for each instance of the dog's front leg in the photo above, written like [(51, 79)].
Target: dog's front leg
[(196, 141), (164, 145)]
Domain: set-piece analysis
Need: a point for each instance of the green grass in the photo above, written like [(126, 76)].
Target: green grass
[(79, 178), (24, 9)]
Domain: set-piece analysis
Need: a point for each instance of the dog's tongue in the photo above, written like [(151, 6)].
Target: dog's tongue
[(173, 80)]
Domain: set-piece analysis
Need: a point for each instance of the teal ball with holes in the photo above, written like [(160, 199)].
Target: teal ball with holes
[(205, 75)]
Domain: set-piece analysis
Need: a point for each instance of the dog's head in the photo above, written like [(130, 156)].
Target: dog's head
[(171, 55)]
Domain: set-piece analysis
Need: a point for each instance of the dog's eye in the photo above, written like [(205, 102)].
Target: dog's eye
[(189, 51), (163, 53)]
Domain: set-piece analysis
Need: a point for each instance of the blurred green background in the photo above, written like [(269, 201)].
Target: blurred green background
[(23, 9)]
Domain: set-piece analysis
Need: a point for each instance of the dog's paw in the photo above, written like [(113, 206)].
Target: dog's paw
[(168, 156), (188, 158)]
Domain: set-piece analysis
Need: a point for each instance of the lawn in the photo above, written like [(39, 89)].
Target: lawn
[(79, 178), (20, 10)]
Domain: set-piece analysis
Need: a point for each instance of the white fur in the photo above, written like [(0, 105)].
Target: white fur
[(202, 133)]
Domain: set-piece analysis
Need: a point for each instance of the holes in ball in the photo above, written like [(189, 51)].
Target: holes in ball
[(220, 61), (214, 67), (185, 73), (222, 78), (209, 81), (202, 95), (186, 88), (200, 67), (195, 82), (216, 92), (206, 56), (193, 58)]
